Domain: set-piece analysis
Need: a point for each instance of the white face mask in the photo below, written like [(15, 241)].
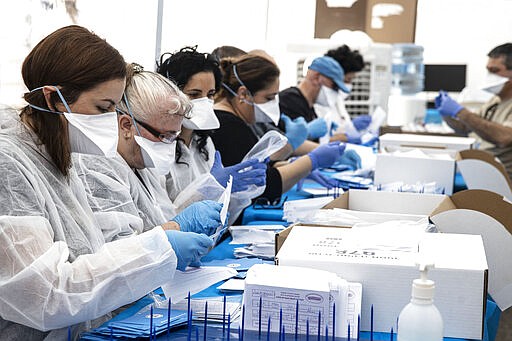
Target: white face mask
[(268, 111), (156, 155), (93, 134), (203, 116), (494, 83), (88, 134), (326, 97), (349, 88)]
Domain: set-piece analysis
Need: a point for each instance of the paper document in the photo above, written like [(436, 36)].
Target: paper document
[(194, 280), (316, 296)]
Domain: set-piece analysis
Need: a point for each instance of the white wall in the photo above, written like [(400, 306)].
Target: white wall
[(451, 31), (463, 32)]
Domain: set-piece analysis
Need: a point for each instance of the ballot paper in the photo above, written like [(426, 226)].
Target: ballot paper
[(138, 324), (297, 210), (224, 200), (216, 311), (319, 297), (232, 285), (194, 280)]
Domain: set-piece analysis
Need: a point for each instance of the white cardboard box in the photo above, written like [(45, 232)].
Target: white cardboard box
[(391, 168), (489, 215), (391, 205), (386, 270), (481, 170), (393, 142)]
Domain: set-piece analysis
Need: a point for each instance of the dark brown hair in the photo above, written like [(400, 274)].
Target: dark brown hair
[(256, 72), (76, 60)]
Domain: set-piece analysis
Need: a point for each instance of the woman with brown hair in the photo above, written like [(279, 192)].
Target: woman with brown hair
[(57, 273), (250, 87)]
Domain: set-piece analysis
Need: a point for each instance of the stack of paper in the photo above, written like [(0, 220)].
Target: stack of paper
[(139, 324), (299, 210), (258, 239), (215, 312), (296, 297)]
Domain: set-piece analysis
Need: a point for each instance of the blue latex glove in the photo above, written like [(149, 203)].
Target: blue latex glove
[(446, 105), (317, 176), (353, 137), (362, 121), (334, 127), (351, 159), (296, 130), (326, 154), (200, 217), (250, 172), (317, 128), (189, 247)]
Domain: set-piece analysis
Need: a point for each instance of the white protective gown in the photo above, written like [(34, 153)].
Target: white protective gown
[(116, 193), (55, 268)]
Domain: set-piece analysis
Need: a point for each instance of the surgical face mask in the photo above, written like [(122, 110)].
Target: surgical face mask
[(157, 155), (349, 87), (265, 112), (268, 111), (203, 116), (326, 97), (89, 134), (494, 83)]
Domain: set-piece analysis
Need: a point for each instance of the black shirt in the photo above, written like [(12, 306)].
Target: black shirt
[(293, 104), (233, 140)]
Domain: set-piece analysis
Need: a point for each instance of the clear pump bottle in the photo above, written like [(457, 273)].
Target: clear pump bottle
[(420, 320)]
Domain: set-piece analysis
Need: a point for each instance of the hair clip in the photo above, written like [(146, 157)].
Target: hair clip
[(137, 68)]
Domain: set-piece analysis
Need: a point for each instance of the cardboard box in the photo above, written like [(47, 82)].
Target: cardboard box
[(481, 170), (489, 215), (393, 142), (386, 270), (394, 205), (410, 170)]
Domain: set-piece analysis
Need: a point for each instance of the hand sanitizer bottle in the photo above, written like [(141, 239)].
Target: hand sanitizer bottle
[(420, 320)]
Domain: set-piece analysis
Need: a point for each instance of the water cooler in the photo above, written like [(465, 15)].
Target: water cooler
[(407, 103)]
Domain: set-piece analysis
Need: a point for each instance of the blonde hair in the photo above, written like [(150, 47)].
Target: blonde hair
[(147, 92)]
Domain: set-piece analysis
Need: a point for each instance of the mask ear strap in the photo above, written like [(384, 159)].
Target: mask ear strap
[(62, 99), (48, 110), (130, 113)]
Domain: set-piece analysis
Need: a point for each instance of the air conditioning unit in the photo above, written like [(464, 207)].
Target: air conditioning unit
[(371, 86)]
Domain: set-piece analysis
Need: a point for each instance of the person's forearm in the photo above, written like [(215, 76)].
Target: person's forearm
[(495, 133), (283, 153), (293, 172), (457, 125), (305, 148), (338, 137)]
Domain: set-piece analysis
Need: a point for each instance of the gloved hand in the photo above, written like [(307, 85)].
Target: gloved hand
[(317, 128), (189, 247), (256, 175), (353, 137), (296, 130), (446, 105), (362, 121), (326, 154), (200, 217), (317, 176), (351, 159)]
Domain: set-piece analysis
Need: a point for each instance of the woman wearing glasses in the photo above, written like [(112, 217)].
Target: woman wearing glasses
[(59, 275), (129, 185)]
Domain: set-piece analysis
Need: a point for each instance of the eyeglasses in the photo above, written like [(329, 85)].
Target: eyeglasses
[(167, 137), (264, 203)]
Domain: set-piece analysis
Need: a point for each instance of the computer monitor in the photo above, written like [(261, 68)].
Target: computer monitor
[(445, 77)]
